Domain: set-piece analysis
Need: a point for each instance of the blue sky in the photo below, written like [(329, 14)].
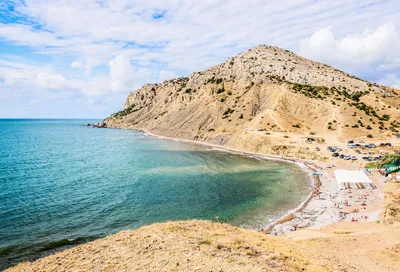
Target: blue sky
[(62, 58)]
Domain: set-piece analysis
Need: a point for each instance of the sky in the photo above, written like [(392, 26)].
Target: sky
[(81, 58)]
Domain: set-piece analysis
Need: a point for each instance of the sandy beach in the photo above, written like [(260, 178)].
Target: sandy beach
[(326, 203)]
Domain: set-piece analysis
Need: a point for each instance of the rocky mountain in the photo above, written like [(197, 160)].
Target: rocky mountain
[(265, 100)]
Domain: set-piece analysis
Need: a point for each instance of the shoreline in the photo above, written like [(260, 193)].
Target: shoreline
[(321, 214), (288, 215)]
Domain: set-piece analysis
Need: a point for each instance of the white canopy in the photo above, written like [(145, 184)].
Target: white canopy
[(351, 176)]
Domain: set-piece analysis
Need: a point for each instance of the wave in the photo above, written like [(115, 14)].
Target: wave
[(13, 254)]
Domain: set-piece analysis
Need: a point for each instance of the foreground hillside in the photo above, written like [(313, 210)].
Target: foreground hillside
[(264, 100), (207, 246)]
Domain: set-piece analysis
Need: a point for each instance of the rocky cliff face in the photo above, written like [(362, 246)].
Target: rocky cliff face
[(260, 99)]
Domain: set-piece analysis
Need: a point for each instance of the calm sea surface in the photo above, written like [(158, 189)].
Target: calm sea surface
[(62, 184)]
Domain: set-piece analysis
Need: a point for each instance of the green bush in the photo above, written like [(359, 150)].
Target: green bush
[(228, 111), (220, 90)]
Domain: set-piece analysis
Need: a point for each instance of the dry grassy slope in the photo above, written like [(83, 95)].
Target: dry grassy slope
[(392, 202), (178, 246), (260, 93), (206, 246)]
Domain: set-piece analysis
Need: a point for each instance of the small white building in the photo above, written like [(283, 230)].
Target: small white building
[(351, 177)]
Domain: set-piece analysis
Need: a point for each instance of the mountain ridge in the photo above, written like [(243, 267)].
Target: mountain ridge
[(255, 99)]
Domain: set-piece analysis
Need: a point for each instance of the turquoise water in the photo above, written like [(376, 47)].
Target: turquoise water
[(62, 183)]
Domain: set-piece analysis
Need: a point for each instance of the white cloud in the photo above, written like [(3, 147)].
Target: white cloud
[(121, 72), (51, 81), (390, 80), (355, 50), (391, 65), (165, 75), (88, 64), (78, 41), (193, 35), (76, 64), (30, 79), (124, 76)]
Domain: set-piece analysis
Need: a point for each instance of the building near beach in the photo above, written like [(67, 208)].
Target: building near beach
[(352, 179), (393, 171)]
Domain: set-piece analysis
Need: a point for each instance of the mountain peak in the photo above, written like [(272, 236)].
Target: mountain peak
[(263, 89)]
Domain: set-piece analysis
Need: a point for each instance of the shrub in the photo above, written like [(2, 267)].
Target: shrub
[(369, 127), (241, 116), (371, 165), (228, 111), (222, 100), (385, 117), (388, 158), (126, 111), (220, 90), (369, 136)]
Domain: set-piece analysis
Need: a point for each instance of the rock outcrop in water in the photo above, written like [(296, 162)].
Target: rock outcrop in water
[(100, 125), (258, 99)]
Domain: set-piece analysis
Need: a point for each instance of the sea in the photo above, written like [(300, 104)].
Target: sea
[(62, 184)]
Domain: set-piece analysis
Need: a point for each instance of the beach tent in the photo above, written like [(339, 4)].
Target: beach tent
[(350, 176)]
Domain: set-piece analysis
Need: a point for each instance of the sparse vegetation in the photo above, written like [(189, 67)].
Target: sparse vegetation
[(126, 111), (220, 90), (228, 111)]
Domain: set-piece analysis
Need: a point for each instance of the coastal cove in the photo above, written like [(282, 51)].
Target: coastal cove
[(63, 184)]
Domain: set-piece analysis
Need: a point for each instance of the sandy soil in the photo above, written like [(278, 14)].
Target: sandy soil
[(206, 246), (367, 247), (179, 246)]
